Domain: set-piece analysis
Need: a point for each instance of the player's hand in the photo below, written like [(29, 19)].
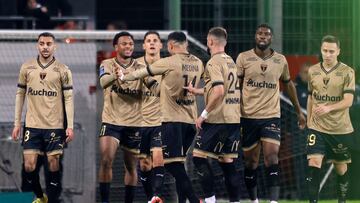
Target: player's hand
[(301, 121), (15, 133), (321, 110), (190, 88), (69, 135), (199, 121)]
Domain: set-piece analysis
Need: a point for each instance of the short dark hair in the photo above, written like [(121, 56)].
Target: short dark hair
[(121, 34), (177, 37), (46, 34), (151, 32), (265, 25), (331, 39), (218, 32)]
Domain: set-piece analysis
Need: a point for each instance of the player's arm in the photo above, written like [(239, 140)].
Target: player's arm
[(152, 84), (309, 108), (107, 77), (19, 102), (157, 68), (67, 88), (193, 90), (291, 91), (240, 70)]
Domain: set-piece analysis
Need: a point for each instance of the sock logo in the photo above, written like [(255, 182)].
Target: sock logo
[(274, 173), (54, 184)]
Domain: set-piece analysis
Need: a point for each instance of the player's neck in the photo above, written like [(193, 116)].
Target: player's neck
[(330, 65), (123, 60), (217, 50), (263, 53), (150, 59), (45, 61)]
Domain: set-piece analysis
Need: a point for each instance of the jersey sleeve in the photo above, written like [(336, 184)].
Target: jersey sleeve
[(106, 75), (67, 87), (215, 73), (240, 66), (20, 96), (285, 75), (349, 82)]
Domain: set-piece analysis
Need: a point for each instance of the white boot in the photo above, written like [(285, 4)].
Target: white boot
[(211, 199)]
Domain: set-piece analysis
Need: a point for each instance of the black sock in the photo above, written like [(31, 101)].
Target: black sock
[(104, 192), (33, 179), (313, 183), (250, 177), (231, 181), (54, 186), (158, 180), (145, 179), (205, 175), (342, 187), (129, 193), (180, 193), (273, 176), (183, 182)]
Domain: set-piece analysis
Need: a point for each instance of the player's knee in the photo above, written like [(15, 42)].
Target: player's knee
[(145, 164), (271, 159), (53, 163), (106, 162), (315, 162), (251, 163), (340, 169), (29, 166)]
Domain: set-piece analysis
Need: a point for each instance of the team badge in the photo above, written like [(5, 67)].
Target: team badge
[(263, 68), (42, 75), (326, 80), (101, 70)]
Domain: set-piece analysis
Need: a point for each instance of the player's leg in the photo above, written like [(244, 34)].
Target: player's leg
[(251, 160), (158, 171), (145, 162), (207, 144), (315, 155), (342, 181), (338, 151), (177, 138), (54, 177), (226, 161), (251, 150), (108, 146), (146, 176), (130, 179), (271, 160), (32, 147)]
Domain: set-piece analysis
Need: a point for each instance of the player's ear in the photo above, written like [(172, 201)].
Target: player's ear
[(143, 46)]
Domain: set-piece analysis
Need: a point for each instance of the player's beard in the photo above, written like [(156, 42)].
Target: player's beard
[(262, 47)]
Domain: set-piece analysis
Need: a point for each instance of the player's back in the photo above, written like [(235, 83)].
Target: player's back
[(178, 105), (221, 69)]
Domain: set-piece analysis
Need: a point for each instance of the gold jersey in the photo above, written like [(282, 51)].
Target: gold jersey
[(150, 107), (48, 90), (260, 87), (122, 100), (221, 70), (326, 88)]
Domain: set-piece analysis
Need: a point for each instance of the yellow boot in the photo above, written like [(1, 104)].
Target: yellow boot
[(44, 199)]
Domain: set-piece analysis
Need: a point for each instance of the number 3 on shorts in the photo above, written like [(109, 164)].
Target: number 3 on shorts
[(311, 139)]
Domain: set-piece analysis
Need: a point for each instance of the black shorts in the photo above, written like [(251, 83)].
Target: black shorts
[(218, 140), (336, 148), (256, 130), (150, 140), (40, 141), (176, 139), (128, 137)]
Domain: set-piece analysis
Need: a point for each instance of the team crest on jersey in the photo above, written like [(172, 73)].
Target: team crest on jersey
[(101, 70), (263, 67), (42, 75), (326, 80)]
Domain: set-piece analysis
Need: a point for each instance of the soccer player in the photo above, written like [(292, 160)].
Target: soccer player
[(47, 85), (151, 157), (121, 116), (331, 93), (261, 69), (219, 122), (178, 107)]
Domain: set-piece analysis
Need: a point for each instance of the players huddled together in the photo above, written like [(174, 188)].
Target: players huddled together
[(150, 111)]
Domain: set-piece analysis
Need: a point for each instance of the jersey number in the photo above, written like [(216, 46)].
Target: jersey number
[(186, 83), (311, 140), (234, 83)]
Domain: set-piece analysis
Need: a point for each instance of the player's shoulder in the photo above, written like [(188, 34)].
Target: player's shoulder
[(139, 64), (61, 66), (278, 57), (141, 59), (29, 63), (345, 67), (315, 67), (107, 62), (247, 53)]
